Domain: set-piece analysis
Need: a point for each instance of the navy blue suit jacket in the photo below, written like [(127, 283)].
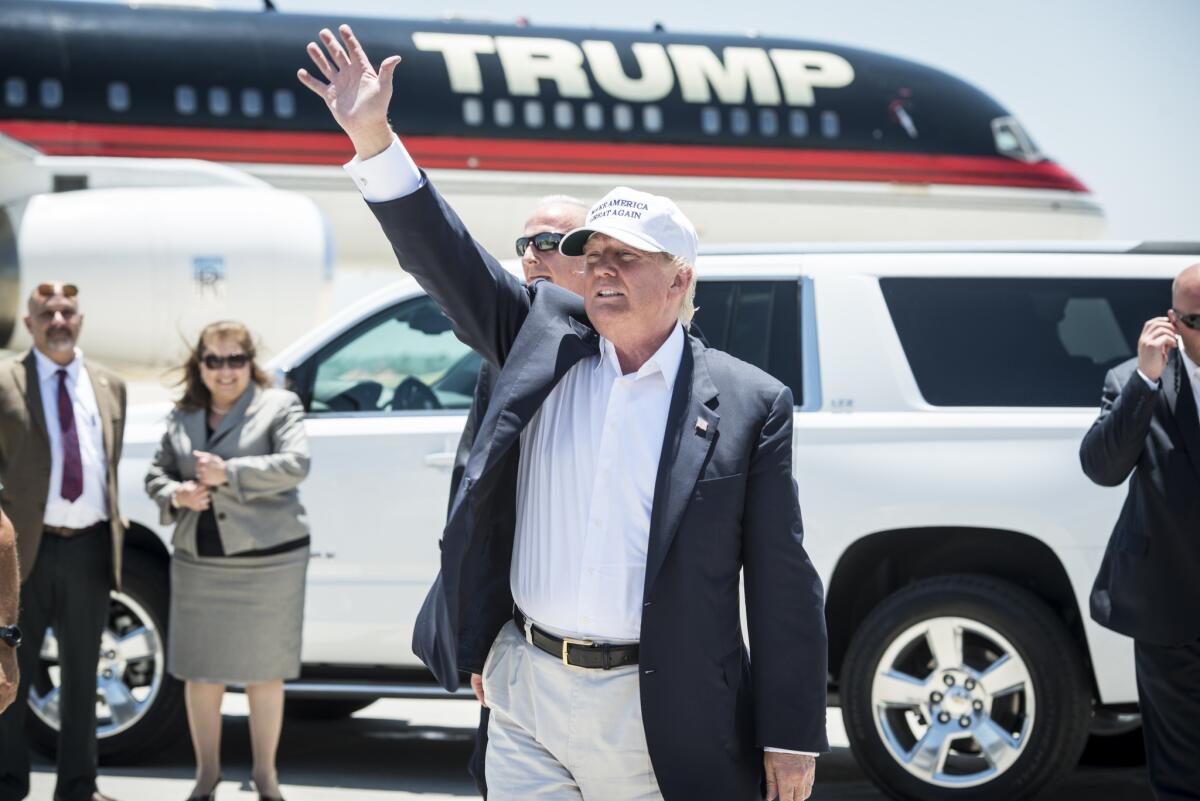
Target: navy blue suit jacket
[(724, 501)]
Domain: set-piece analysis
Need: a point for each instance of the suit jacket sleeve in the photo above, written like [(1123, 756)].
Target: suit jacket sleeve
[(485, 304), (1112, 446), (163, 478), (784, 598), (253, 477)]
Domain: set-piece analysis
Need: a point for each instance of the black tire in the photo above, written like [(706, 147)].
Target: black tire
[(163, 720), (1055, 737), (324, 708)]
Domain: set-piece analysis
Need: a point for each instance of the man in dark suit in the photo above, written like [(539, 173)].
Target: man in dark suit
[(61, 425), (602, 499), (537, 246), (1146, 589)]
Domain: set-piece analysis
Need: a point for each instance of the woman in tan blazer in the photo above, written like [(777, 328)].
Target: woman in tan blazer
[(227, 474)]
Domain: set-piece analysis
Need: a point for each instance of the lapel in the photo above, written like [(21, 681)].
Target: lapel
[(686, 447), (1177, 391), (539, 359), (29, 386), (104, 405), (235, 417), (193, 424)]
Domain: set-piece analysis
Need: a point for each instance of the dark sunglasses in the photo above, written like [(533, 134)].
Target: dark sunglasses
[(545, 242), (1192, 321), (235, 362), (49, 290)]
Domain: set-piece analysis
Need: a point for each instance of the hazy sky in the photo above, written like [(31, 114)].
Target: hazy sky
[(1108, 88)]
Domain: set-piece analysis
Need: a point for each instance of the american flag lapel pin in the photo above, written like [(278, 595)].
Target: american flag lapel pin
[(701, 426)]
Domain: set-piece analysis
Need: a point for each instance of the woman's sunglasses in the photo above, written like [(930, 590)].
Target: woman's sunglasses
[(1192, 321), (544, 241), (235, 361)]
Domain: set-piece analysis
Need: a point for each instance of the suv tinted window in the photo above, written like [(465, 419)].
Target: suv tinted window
[(756, 321), (1019, 341), (406, 359)]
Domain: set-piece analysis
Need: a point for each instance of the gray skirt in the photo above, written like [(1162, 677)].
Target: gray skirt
[(236, 620)]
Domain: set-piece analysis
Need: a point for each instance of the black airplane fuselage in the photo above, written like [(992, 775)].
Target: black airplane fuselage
[(105, 80)]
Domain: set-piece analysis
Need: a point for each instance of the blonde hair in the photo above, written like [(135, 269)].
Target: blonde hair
[(688, 310)]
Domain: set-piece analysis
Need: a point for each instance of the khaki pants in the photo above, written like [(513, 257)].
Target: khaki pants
[(562, 733)]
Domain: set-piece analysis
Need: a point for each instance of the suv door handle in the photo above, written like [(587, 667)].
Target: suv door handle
[(442, 461)]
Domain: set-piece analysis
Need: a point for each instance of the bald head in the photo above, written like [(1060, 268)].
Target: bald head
[(54, 320), (1185, 291)]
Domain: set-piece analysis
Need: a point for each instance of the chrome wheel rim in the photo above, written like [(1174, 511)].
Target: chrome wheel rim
[(953, 702), (129, 675)]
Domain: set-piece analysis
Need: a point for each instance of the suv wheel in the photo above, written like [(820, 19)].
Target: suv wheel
[(964, 687), (139, 706)]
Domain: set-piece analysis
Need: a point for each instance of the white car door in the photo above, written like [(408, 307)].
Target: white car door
[(387, 402)]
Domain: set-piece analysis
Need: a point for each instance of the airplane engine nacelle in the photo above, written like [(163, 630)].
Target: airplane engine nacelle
[(154, 266)]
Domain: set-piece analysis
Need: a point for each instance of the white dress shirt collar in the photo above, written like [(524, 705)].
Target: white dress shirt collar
[(665, 360), (48, 368)]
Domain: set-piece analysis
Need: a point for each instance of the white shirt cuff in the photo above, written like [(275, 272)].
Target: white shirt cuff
[(386, 176), (1152, 384), (789, 751)]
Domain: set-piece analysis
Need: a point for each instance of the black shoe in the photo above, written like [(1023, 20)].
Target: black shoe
[(212, 794)]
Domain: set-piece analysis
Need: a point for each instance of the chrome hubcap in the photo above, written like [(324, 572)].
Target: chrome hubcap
[(129, 674), (953, 702)]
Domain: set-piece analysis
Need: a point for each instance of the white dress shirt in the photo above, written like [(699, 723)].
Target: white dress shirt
[(91, 507), (588, 467), (585, 488)]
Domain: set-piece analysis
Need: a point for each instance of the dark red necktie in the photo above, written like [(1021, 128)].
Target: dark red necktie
[(72, 479)]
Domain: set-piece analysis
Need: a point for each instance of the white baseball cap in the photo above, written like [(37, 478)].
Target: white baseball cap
[(647, 222)]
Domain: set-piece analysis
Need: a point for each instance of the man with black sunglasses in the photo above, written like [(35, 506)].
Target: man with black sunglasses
[(61, 425), (1147, 585)]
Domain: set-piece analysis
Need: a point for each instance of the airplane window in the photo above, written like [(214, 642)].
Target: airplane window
[(185, 100), (798, 123), (622, 117), (710, 120), (473, 111), (652, 118), (118, 96), (535, 116), (252, 104), (14, 92), (768, 122), (831, 125), (739, 121), (218, 101), (51, 92), (593, 116), (285, 103), (502, 113), (564, 115)]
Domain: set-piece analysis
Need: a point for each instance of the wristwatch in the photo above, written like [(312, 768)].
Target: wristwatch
[(10, 635)]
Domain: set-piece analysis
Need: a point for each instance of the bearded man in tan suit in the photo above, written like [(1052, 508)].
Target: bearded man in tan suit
[(61, 423)]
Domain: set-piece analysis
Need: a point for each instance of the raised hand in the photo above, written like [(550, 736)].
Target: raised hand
[(357, 95), (1154, 345)]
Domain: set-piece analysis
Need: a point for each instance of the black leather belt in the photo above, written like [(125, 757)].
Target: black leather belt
[(580, 653), (67, 533)]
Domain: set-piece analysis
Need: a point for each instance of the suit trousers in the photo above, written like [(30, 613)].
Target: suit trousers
[(68, 590), (562, 733), (1169, 693)]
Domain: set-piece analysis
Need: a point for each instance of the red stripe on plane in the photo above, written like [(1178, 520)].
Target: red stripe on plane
[(527, 155)]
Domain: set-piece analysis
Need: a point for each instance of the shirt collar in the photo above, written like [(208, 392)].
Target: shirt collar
[(48, 368), (665, 360), (1192, 370)]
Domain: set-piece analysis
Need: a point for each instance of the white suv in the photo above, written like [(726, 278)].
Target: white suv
[(942, 394)]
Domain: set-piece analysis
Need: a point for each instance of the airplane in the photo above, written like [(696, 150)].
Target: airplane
[(168, 160)]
